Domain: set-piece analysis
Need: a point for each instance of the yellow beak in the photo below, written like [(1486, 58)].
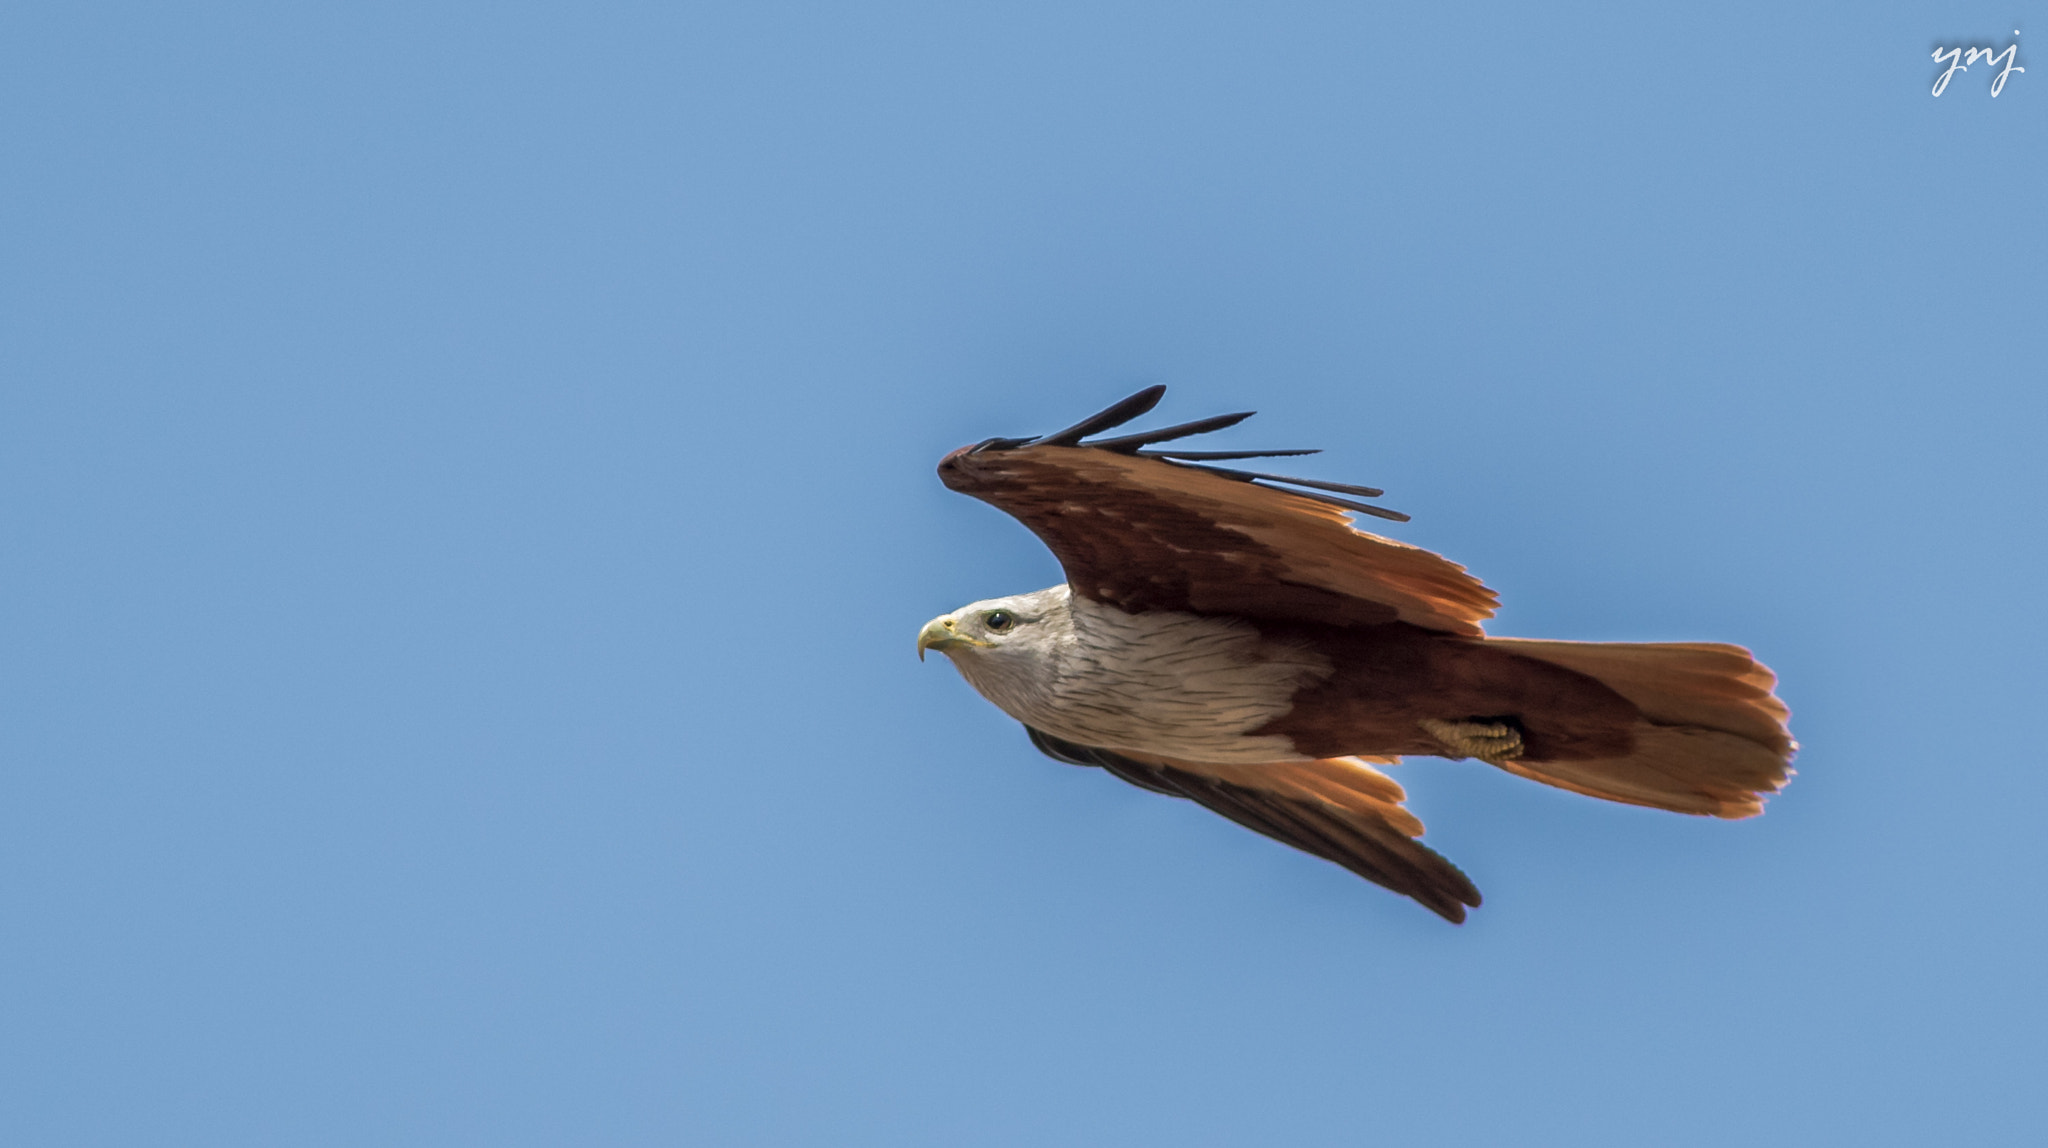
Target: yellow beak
[(942, 634)]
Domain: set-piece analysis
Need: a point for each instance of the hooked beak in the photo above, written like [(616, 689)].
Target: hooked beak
[(942, 634)]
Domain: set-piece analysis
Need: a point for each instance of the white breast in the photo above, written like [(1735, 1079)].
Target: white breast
[(1177, 685)]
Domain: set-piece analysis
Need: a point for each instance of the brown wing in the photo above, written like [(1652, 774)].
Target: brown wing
[(1339, 809), (1142, 531)]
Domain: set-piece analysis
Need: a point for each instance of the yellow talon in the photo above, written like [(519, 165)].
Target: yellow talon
[(1490, 742)]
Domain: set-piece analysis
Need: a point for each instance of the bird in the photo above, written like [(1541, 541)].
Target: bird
[(1232, 638)]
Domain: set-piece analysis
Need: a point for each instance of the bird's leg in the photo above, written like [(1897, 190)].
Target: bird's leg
[(1492, 742)]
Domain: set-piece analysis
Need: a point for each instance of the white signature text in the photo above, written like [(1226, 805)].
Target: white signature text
[(1960, 59)]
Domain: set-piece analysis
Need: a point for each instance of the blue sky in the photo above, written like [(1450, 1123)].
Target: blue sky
[(466, 482)]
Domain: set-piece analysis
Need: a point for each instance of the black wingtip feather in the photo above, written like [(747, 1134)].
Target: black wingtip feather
[(1347, 504), (1135, 405), (1130, 443), (1317, 483), (1115, 415), (1221, 455)]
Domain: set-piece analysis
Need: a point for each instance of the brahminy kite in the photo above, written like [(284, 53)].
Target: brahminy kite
[(1223, 639)]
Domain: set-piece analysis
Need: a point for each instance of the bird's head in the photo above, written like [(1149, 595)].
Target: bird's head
[(1021, 624)]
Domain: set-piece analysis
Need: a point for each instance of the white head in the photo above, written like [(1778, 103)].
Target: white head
[(1000, 630), (1008, 649)]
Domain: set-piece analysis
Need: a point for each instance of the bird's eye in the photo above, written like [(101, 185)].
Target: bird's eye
[(1000, 621)]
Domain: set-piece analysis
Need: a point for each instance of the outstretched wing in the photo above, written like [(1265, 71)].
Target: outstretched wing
[(1163, 530), (1338, 809)]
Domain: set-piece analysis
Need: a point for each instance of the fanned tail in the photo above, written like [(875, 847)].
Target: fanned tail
[(1713, 739)]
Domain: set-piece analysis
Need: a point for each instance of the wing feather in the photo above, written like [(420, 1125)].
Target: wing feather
[(1339, 809), (1142, 534)]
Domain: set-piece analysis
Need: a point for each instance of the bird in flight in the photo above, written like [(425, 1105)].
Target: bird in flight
[(1229, 637)]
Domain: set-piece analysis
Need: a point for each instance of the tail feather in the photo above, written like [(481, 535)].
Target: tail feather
[(1713, 740)]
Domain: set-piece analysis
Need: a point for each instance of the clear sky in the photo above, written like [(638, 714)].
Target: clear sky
[(466, 506)]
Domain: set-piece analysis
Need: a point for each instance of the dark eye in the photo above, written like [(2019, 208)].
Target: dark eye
[(999, 620)]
